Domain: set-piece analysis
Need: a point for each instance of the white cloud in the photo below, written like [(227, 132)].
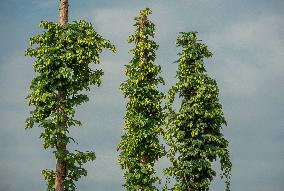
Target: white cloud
[(253, 50)]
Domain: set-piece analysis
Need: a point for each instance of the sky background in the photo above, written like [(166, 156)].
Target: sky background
[(247, 39)]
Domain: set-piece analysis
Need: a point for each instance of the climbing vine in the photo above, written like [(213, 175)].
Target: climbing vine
[(63, 56), (194, 132), (139, 146)]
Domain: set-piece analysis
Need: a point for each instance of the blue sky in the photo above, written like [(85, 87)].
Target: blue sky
[(247, 39)]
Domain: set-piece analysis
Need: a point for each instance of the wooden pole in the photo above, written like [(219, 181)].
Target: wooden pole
[(63, 17), (61, 170)]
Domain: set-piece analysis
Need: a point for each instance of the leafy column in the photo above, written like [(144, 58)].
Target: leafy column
[(194, 132), (63, 54), (140, 147)]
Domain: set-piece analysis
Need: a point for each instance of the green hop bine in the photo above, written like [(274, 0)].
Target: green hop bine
[(193, 134), (139, 146), (63, 54)]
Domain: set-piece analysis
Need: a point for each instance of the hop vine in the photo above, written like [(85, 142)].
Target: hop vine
[(62, 63), (139, 146), (194, 133)]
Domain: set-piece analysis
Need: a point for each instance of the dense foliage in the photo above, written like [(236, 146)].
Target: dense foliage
[(194, 132), (140, 147), (63, 55)]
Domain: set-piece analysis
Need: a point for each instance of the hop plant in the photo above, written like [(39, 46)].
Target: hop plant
[(139, 146), (63, 55), (194, 133)]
